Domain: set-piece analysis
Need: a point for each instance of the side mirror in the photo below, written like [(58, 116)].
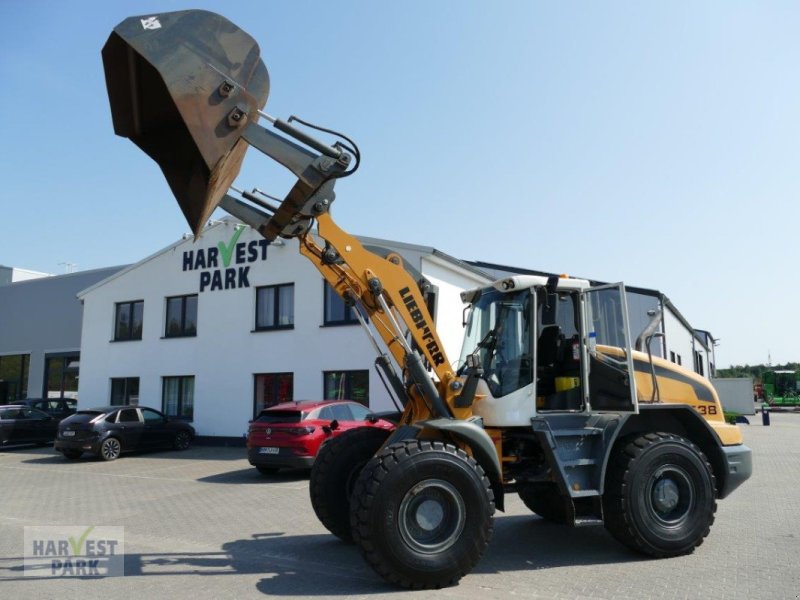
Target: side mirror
[(334, 425), (371, 418)]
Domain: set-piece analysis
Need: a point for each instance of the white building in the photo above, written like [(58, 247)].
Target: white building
[(215, 329)]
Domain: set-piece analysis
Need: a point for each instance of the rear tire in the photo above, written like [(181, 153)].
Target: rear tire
[(182, 440), (422, 514), (72, 454), (110, 449), (335, 471), (544, 500), (660, 496)]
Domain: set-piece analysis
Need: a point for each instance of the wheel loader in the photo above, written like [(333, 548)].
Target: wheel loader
[(549, 399)]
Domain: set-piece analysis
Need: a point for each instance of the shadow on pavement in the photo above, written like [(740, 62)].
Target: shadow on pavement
[(321, 565), (250, 475)]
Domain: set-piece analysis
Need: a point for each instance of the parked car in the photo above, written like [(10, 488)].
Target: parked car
[(58, 408), (20, 424), (109, 431), (289, 435)]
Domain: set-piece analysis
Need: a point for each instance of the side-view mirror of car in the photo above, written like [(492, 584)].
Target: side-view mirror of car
[(371, 418)]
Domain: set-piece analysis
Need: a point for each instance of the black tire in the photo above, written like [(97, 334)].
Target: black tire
[(110, 449), (660, 495), (422, 514), (267, 470), (544, 500), (182, 440), (72, 454), (334, 474)]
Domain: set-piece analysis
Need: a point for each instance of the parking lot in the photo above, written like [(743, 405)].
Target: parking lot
[(204, 524)]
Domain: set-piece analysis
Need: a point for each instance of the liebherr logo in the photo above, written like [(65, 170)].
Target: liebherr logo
[(151, 23), (419, 322)]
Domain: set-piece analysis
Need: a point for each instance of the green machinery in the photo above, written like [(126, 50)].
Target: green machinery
[(781, 388)]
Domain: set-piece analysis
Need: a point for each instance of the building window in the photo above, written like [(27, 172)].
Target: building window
[(13, 377), (61, 376), (698, 363), (181, 316), (128, 321), (177, 397), (272, 389), (679, 359), (672, 356), (336, 312), (275, 307), (124, 390), (347, 385)]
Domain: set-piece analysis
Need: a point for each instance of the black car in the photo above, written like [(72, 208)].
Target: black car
[(21, 424), (110, 430), (59, 408)]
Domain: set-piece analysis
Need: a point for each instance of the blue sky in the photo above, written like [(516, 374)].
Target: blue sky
[(655, 144)]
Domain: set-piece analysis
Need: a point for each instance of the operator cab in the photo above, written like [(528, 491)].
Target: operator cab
[(544, 345)]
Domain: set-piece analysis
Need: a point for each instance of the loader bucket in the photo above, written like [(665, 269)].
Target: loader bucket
[(181, 86)]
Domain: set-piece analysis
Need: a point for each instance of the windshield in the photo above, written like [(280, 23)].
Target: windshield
[(499, 330)]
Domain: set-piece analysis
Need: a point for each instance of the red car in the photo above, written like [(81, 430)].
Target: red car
[(289, 435)]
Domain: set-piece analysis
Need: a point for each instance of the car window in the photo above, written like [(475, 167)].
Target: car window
[(151, 416), (341, 412), (128, 415), (6, 414), (38, 414), (23, 413), (359, 412), (326, 413)]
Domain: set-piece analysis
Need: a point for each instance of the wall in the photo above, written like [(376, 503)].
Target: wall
[(42, 316)]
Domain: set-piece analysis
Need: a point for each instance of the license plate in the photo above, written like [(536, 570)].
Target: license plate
[(268, 450), (68, 433)]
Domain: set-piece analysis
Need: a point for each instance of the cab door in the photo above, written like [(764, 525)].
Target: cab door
[(609, 370)]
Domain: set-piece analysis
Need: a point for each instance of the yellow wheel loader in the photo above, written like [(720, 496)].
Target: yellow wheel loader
[(550, 400)]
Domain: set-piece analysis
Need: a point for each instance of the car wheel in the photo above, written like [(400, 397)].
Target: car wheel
[(333, 476), (544, 500), (72, 454), (182, 440), (267, 470), (660, 496), (422, 513), (110, 449)]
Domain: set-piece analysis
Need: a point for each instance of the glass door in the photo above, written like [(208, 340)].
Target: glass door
[(607, 347)]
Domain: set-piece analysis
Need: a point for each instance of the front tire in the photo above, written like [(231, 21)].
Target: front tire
[(333, 476), (660, 495), (110, 449), (422, 514)]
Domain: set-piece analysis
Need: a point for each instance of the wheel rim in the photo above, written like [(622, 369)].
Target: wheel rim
[(183, 441), (432, 516), (671, 496), (110, 448)]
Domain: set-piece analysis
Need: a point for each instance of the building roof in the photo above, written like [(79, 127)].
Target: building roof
[(367, 241)]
